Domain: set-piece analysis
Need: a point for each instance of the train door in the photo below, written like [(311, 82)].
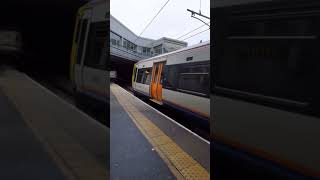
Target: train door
[(82, 36), (95, 74), (134, 74), (156, 84)]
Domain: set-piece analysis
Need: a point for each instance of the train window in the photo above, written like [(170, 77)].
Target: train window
[(194, 78), (279, 72), (144, 76), (83, 30), (189, 58), (148, 75), (139, 76), (170, 76), (190, 78), (278, 61), (96, 43)]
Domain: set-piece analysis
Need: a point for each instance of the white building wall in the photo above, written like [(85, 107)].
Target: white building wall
[(118, 28), (123, 31)]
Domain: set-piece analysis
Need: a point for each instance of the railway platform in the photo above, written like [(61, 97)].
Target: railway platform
[(146, 144), (43, 137)]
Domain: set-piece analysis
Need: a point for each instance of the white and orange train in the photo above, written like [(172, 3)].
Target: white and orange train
[(179, 79)]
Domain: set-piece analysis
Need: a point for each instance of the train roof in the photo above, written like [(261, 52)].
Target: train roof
[(177, 51), (93, 3)]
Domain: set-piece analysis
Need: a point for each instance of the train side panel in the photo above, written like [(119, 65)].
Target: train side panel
[(189, 102), (196, 104)]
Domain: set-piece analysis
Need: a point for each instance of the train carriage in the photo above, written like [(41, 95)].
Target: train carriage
[(88, 68), (265, 90), (179, 79)]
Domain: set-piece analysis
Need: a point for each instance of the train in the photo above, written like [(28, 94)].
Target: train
[(264, 87), (88, 67), (179, 79), (11, 47), (10, 40)]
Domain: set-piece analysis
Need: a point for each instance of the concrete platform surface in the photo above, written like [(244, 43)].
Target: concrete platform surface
[(145, 143), (45, 137)]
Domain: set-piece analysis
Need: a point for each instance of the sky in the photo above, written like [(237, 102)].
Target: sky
[(173, 21)]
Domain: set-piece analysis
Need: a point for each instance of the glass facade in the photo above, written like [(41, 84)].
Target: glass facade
[(129, 45), (115, 39), (124, 43), (158, 49), (145, 52)]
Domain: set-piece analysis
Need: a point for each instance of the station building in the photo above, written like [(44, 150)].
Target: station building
[(126, 44), (126, 48)]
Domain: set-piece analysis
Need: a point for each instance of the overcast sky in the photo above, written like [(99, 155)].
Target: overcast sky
[(172, 22)]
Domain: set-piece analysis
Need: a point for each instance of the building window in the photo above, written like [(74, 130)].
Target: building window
[(158, 49), (139, 50), (115, 39), (146, 51), (133, 47), (129, 45), (124, 43)]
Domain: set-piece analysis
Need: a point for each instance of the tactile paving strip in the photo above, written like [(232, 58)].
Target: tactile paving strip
[(161, 140), (152, 133), (182, 160), (195, 173), (168, 149)]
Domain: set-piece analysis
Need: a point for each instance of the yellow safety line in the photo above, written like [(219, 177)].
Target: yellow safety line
[(181, 164)]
